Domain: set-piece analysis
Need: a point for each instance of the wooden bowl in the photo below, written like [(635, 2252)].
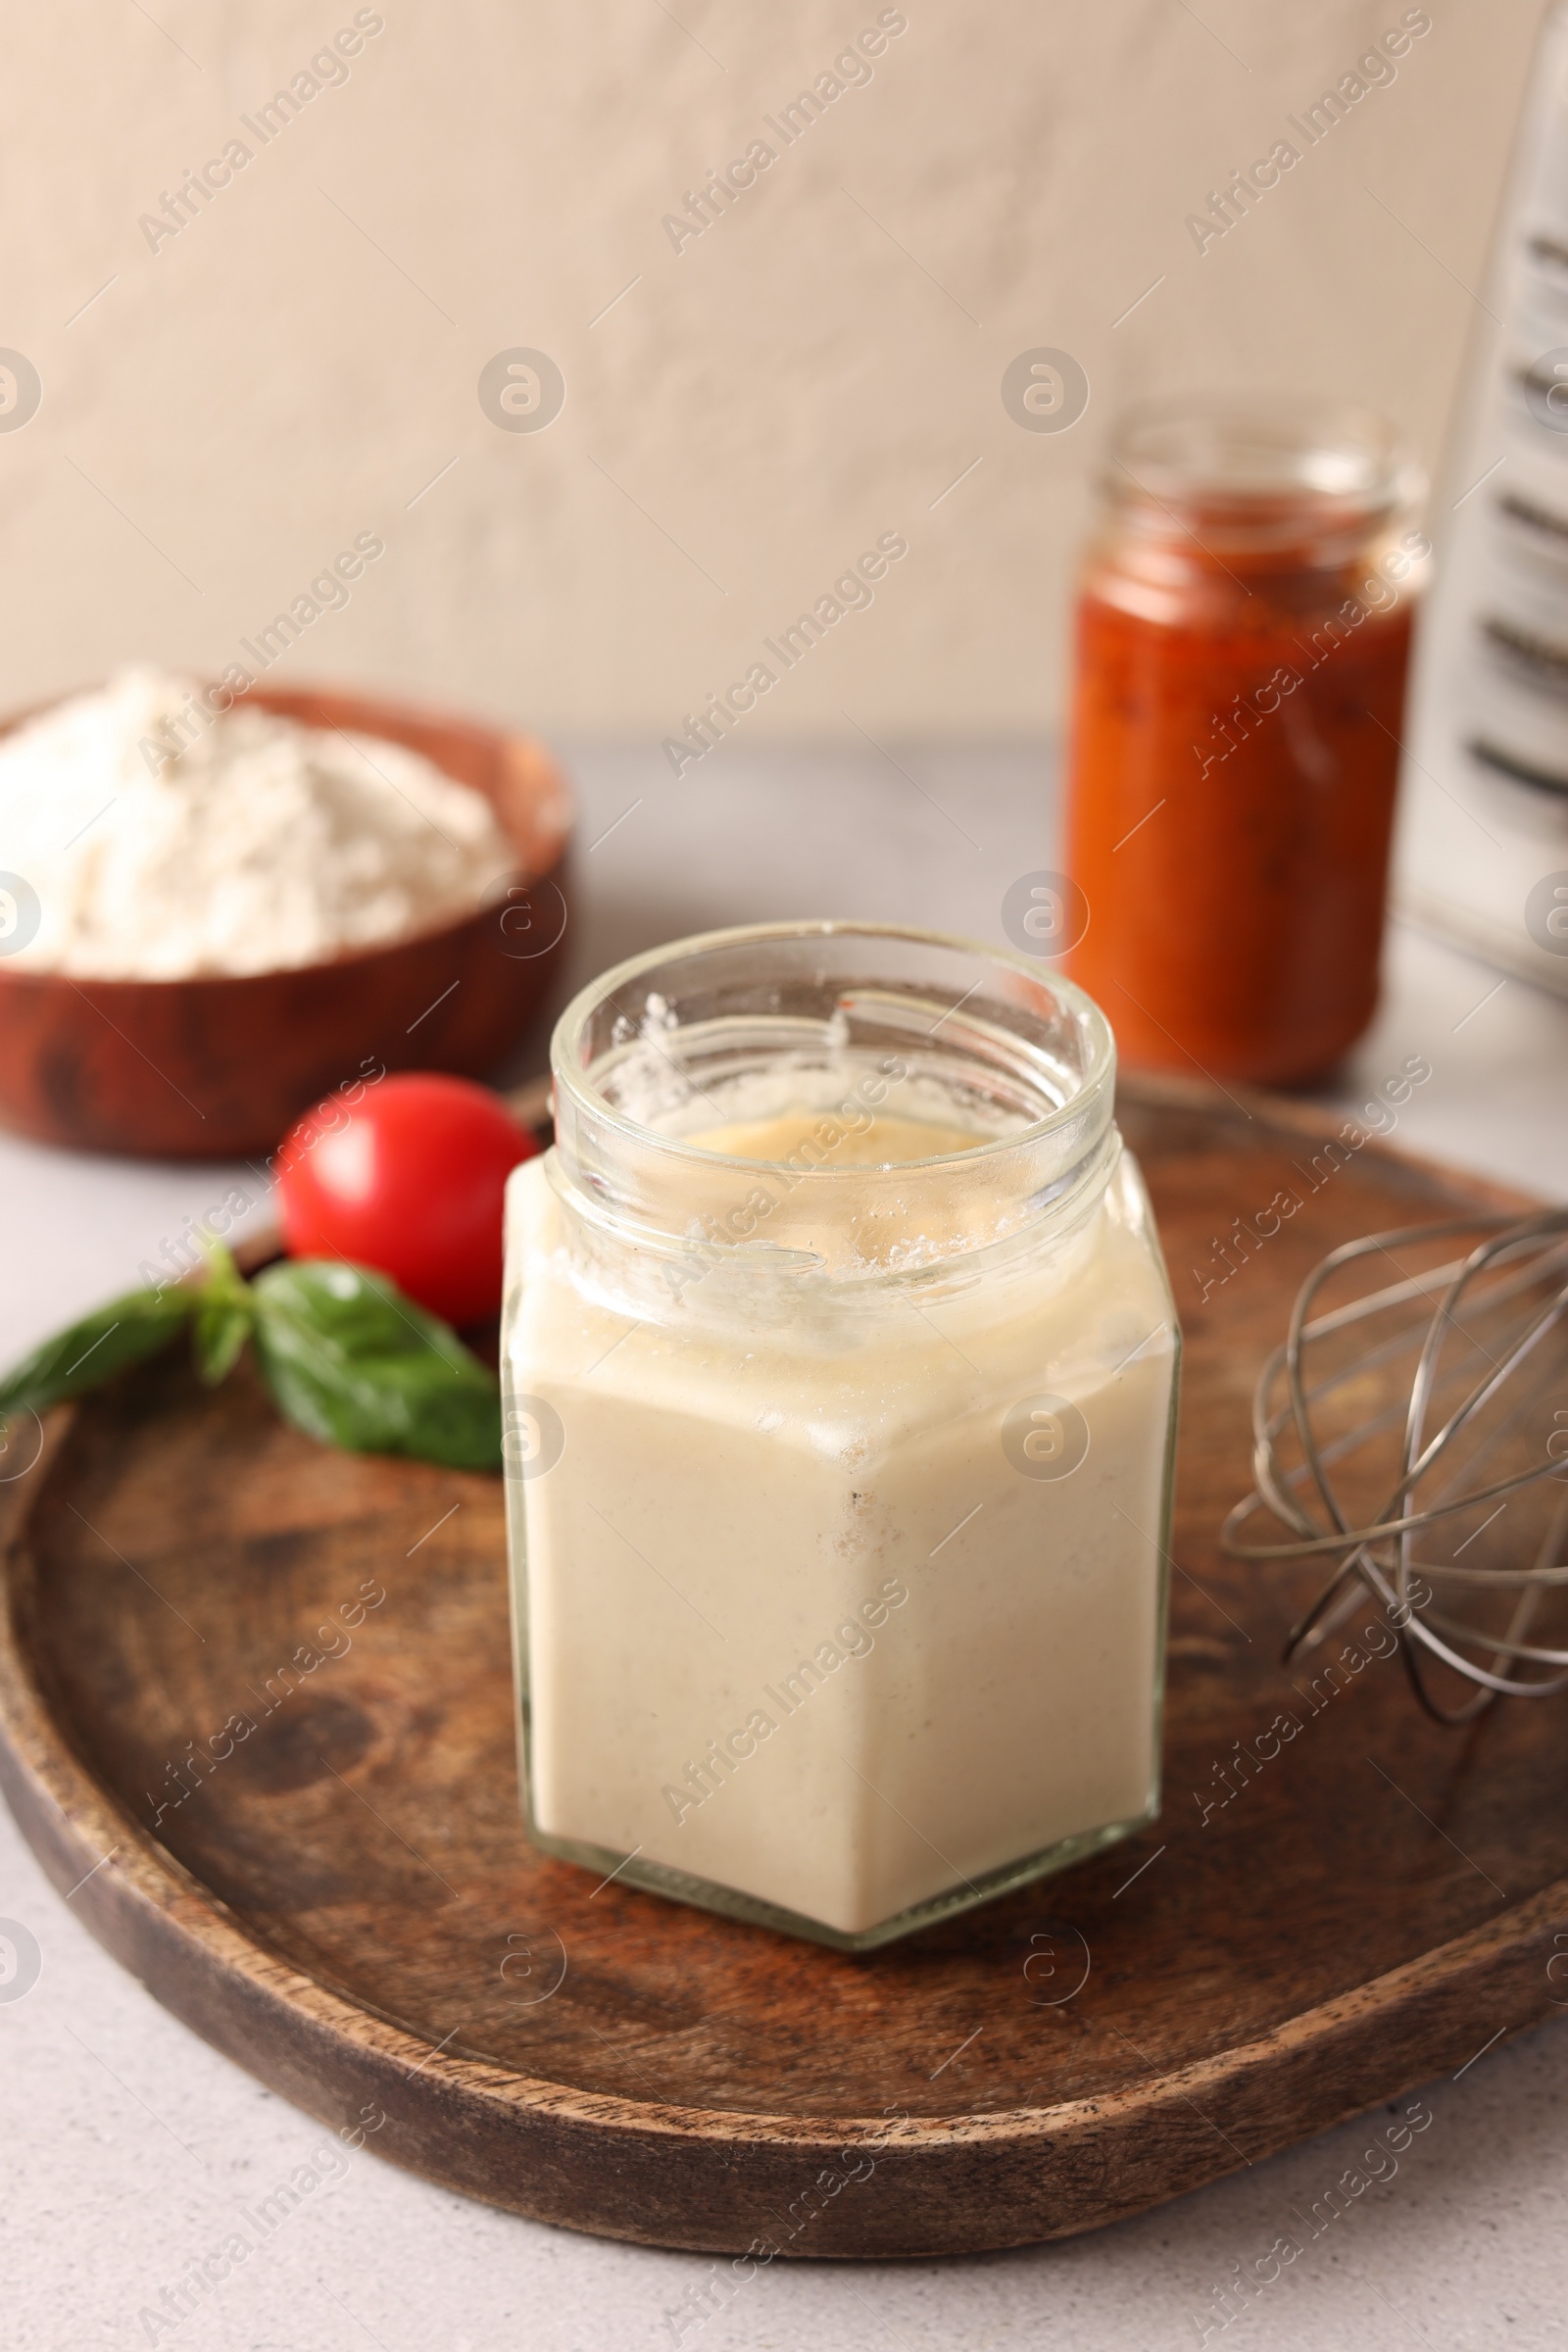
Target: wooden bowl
[(216, 1068)]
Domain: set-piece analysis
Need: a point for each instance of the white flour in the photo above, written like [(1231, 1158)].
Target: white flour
[(259, 844)]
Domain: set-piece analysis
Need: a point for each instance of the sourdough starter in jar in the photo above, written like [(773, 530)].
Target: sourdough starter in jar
[(840, 1368)]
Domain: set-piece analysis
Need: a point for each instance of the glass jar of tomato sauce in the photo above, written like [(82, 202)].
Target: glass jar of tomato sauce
[(1242, 634)]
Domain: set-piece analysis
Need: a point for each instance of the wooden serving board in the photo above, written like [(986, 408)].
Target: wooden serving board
[(346, 1902)]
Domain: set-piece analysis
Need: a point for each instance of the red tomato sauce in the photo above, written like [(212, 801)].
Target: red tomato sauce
[(1234, 759)]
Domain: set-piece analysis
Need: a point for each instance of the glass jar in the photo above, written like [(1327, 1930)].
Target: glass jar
[(1243, 632), (839, 1372)]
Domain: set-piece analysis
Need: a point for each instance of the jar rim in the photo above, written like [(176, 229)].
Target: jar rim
[(1240, 452), (571, 1073)]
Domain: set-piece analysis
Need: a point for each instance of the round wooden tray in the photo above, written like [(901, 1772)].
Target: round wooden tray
[(346, 1903)]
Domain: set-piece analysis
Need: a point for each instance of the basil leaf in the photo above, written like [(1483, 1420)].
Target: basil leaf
[(224, 1315), (219, 1333), (84, 1355), (353, 1363)]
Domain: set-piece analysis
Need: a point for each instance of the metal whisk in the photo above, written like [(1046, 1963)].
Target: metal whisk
[(1442, 1492)]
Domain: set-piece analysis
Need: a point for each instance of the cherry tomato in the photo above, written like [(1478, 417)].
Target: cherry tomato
[(408, 1180)]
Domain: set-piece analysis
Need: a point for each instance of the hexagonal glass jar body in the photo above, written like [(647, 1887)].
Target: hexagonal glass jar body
[(839, 1367)]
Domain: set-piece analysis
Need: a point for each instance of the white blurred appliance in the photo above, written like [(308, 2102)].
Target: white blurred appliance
[(1483, 851)]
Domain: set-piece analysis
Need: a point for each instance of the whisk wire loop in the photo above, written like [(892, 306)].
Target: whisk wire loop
[(1486, 1328)]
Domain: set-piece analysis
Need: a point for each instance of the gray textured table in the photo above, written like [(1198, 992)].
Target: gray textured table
[(128, 2147)]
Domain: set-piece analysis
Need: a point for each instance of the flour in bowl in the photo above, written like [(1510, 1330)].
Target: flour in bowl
[(169, 831)]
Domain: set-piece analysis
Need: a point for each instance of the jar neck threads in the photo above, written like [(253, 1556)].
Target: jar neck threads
[(838, 1025), (1282, 483)]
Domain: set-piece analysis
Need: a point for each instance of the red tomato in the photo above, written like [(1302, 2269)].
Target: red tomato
[(409, 1180)]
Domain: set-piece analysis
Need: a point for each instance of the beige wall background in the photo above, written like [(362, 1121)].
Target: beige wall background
[(299, 364)]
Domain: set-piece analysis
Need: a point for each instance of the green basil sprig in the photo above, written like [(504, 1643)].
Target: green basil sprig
[(346, 1356)]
